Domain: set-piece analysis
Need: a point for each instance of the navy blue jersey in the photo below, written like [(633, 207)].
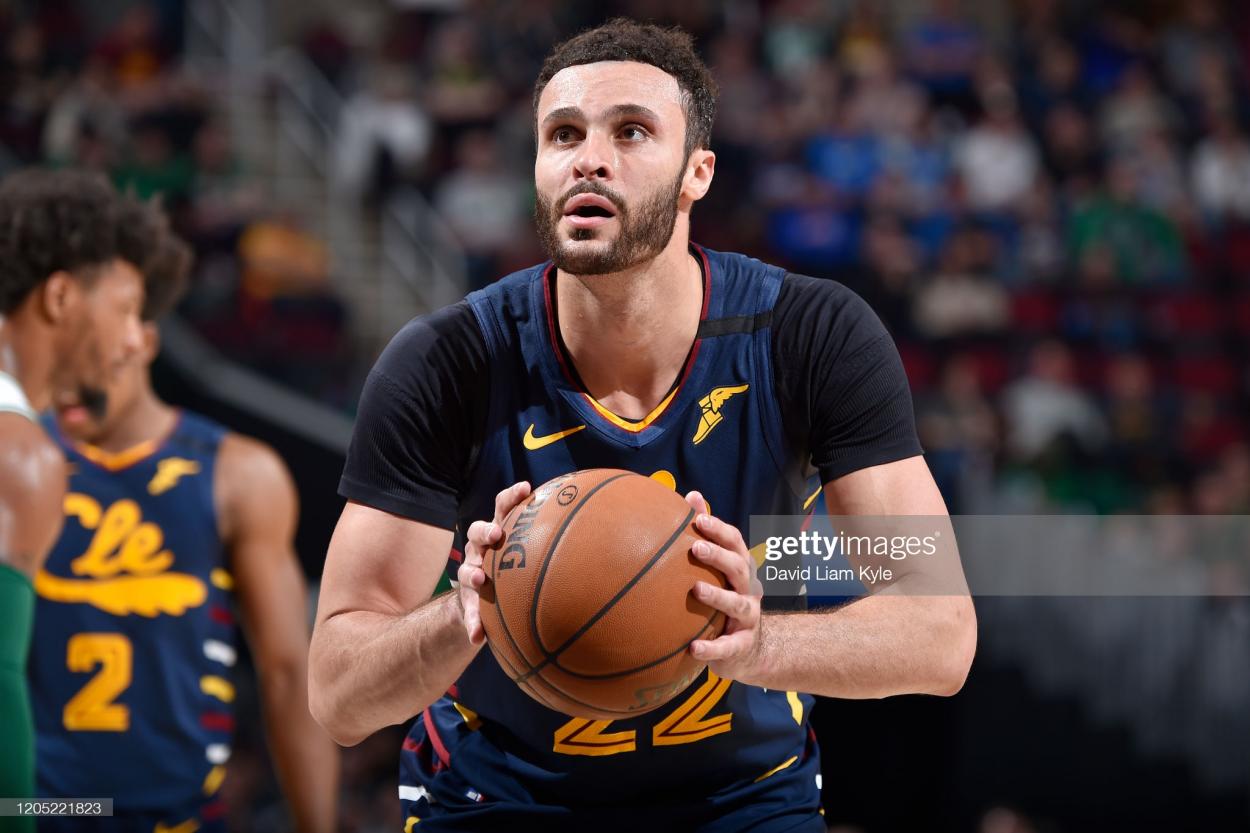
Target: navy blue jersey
[(134, 631), (446, 424)]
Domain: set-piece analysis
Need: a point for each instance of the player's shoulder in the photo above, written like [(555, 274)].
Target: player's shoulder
[(26, 446), (253, 484), (823, 310), (251, 462), (737, 265), (32, 466), (447, 336)]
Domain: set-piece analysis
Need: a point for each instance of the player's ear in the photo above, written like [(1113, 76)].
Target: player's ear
[(151, 342), (700, 168), (58, 296)]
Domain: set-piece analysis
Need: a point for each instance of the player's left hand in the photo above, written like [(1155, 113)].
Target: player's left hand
[(735, 653)]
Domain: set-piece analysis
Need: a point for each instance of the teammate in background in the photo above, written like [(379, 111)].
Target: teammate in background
[(71, 251), (634, 349), (170, 520)]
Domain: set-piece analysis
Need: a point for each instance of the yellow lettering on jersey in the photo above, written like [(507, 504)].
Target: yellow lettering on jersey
[(582, 736), (212, 781), (410, 823), (168, 472), (711, 405), (125, 565), (92, 709), (218, 687), (689, 722), (221, 579)]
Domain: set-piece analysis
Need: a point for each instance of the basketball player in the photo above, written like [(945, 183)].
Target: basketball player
[(170, 521), (70, 293), (633, 348)]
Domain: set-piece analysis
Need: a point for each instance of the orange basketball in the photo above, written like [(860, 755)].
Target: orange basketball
[(587, 602)]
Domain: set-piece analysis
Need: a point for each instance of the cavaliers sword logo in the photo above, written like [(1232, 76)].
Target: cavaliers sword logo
[(169, 471), (711, 405)]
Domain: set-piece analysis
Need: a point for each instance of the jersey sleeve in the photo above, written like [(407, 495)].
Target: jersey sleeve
[(844, 397), (421, 418)]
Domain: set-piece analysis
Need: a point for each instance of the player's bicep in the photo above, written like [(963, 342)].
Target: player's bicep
[(899, 500), (381, 562)]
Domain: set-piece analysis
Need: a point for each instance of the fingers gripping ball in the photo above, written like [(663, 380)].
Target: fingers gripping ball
[(587, 602)]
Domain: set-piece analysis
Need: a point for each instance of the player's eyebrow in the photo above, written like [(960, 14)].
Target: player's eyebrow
[(616, 111)]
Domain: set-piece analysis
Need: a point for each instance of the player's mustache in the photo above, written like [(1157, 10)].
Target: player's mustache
[(94, 400), (591, 188)]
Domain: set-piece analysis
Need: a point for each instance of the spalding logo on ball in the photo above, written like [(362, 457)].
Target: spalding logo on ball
[(587, 603)]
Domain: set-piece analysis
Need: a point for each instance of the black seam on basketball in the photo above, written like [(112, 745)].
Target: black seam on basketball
[(532, 684), (539, 678), (552, 656), (551, 550), (503, 620), (614, 674), (524, 686)]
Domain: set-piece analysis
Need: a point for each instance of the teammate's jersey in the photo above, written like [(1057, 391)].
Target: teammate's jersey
[(721, 430), (134, 628)]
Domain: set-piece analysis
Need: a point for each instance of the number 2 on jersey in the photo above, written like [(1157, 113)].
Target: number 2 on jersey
[(92, 709)]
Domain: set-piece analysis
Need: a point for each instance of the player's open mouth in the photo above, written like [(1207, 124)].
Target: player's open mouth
[(589, 210), (73, 415)]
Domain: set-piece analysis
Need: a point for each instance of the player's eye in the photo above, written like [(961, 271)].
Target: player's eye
[(634, 132), (562, 135)]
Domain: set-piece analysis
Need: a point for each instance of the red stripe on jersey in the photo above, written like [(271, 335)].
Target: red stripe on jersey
[(435, 740), (214, 810), (217, 722), (221, 616)]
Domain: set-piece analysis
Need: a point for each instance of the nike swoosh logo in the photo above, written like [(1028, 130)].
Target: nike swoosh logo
[(533, 443)]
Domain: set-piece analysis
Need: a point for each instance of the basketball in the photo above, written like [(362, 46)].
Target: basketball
[(587, 603)]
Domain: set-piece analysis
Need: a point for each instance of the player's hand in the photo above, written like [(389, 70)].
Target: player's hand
[(483, 535), (734, 654)]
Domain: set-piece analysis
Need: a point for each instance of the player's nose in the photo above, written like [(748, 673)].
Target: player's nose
[(594, 157)]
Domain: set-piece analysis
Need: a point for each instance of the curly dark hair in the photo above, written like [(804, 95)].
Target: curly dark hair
[(70, 221), (669, 49), (166, 276)]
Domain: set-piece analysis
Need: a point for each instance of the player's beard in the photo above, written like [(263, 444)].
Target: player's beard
[(95, 400), (642, 234)]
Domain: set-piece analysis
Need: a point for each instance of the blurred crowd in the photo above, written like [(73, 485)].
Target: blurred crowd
[(1047, 202)]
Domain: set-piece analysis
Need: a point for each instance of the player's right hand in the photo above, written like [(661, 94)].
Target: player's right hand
[(483, 535)]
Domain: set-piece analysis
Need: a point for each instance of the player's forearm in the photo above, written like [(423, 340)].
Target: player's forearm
[(878, 646), (368, 670), (306, 760)]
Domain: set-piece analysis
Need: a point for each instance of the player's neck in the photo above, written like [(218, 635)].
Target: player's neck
[(629, 333), (26, 354), (146, 419)]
